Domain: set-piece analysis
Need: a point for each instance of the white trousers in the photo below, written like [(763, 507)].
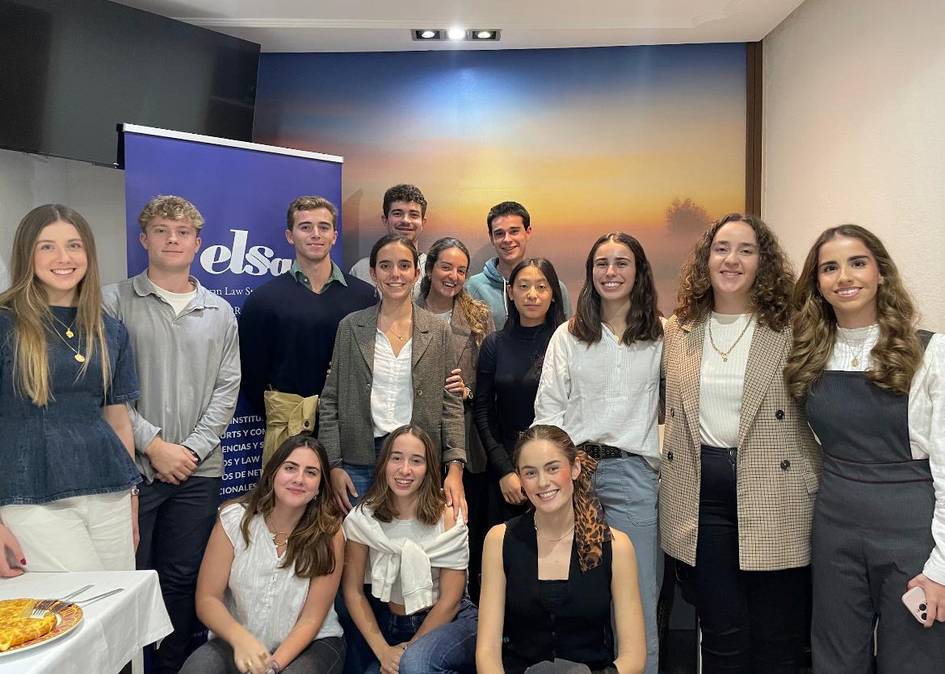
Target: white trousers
[(82, 533)]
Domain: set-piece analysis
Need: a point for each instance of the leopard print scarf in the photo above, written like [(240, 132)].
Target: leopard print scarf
[(590, 529)]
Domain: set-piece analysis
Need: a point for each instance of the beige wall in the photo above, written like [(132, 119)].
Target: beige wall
[(854, 131)]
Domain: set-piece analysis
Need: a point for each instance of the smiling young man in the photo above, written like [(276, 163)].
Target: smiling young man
[(405, 213), (288, 325), (187, 356), (510, 228)]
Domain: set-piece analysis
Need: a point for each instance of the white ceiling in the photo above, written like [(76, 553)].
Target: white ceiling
[(385, 25)]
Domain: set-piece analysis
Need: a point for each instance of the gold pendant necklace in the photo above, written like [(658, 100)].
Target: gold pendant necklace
[(275, 535), (68, 328), (78, 357), (724, 354)]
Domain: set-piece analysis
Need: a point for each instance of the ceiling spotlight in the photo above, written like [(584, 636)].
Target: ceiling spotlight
[(456, 33), (484, 34), (427, 34)]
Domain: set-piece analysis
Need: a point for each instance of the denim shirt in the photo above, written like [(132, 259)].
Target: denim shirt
[(66, 448)]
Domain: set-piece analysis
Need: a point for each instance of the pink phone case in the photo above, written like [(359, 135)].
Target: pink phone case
[(914, 600)]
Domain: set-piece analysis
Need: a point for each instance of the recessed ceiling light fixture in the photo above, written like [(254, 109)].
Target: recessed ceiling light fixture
[(455, 34), (427, 34)]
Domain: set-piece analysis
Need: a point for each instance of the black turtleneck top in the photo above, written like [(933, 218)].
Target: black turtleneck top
[(506, 384)]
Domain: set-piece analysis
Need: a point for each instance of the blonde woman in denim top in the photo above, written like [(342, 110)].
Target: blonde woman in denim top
[(66, 372)]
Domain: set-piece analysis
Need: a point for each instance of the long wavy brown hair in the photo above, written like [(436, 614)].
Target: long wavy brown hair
[(770, 293), (430, 500), (897, 354), (27, 301), (643, 316), (310, 547), (475, 312)]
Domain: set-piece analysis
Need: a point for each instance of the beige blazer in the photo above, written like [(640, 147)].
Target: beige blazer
[(778, 464), (345, 426), (464, 354)]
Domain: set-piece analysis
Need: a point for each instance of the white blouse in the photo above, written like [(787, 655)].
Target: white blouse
[(926, 418), (606, 392), (722, 381), (391, 385), (261, 596)]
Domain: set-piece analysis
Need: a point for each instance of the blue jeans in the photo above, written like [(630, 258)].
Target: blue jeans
[(628, 489), (359, 656), (449, 649)]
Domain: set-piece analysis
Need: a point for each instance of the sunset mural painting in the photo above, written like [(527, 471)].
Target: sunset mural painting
[(650, 140)]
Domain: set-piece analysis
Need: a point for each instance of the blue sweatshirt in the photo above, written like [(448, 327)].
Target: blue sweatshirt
[(489, 286)]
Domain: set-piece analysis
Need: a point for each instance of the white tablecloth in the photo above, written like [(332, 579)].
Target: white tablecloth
[(113, 629)]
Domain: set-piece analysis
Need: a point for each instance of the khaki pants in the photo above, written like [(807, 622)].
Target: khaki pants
[(287, 414)]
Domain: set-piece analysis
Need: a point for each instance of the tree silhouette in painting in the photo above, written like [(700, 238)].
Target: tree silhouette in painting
[(686, 218)]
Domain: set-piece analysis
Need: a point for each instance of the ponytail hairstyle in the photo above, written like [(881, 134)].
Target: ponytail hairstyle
[(897, 354), (28, 303), (310, 547), (475, 312), (590, 528)]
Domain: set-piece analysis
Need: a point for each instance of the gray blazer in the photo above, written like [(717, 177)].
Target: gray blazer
[(345, 427), (464, 354)]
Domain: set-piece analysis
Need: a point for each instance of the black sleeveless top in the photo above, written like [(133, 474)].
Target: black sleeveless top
[(574, 625)]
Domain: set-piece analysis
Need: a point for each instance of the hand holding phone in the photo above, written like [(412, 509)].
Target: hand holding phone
[(914, 600)]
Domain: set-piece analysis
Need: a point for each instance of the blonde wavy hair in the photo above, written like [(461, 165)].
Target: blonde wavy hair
[(897, 353), (770, 293), (170, 207), (28, 303)]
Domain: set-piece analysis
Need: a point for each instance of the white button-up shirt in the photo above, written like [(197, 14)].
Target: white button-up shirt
[(392, 386), (606, 393)]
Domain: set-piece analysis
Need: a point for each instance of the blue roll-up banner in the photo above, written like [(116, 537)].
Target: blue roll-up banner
[(243, 191)]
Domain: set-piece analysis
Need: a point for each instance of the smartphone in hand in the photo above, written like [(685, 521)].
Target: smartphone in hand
[(914, 600)]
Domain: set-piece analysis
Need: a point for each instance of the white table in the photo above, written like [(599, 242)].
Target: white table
[(113, 630)]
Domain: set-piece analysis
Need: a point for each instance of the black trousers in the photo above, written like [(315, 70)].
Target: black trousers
[(752, 621), (476, 486), (175, 522)]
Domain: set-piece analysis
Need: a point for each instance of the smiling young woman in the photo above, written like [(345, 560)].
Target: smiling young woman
[(586, 573), (65, 435), (873, 388), (388, 369), (443, 293), (740, 466), (407, 543), (271, 572), (600, 384)]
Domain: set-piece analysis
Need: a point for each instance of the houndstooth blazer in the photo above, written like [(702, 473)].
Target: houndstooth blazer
[(778, 464)]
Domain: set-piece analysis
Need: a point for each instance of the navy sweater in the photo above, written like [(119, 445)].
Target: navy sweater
[(287, 334)]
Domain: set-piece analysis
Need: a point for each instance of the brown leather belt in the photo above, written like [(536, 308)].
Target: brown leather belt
[(597, 451)]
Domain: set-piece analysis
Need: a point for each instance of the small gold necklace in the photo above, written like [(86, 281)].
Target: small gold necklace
[(275, 535), (724, 354), (78, 357), (68, 328)]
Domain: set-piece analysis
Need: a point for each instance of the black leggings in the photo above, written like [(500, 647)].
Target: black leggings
[(752, 621)]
